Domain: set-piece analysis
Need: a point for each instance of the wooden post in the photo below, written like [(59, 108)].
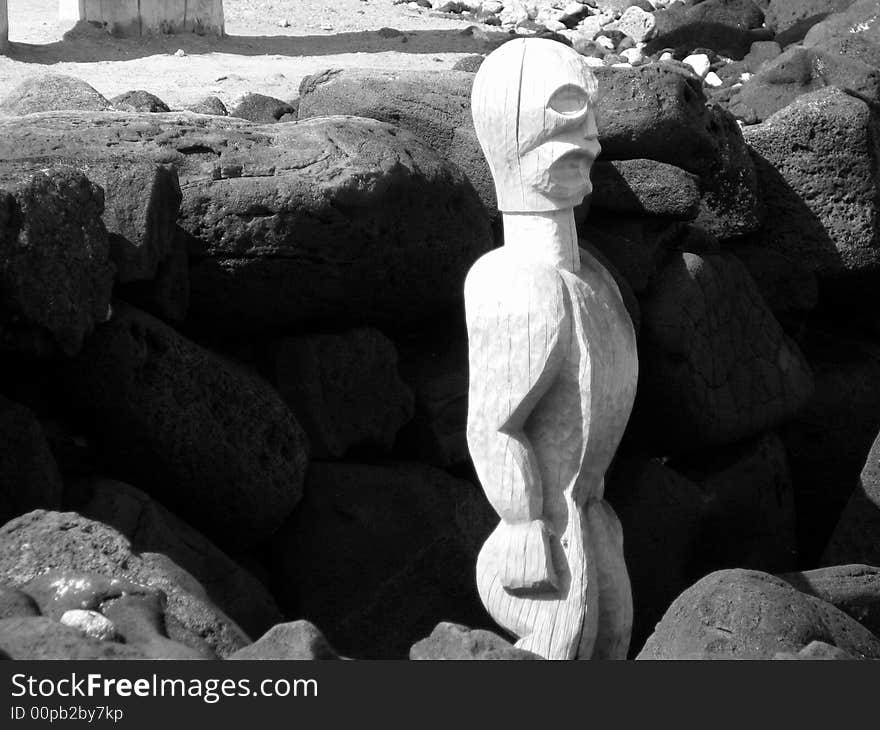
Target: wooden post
[(142, 17), (553, 365), (4, 26)]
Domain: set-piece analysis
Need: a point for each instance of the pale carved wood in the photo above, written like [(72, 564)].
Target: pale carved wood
[(142, 17), (553, 365)]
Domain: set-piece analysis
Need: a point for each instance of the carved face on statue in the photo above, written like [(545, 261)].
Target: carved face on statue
[(532, 104)]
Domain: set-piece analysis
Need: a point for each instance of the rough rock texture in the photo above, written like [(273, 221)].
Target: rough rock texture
[(294, 640), (783, 14), (64, 541), (14, 603), (150, 528), (210, 105), (40, 638), (208, 439), (263, 109), (752, 615), (727, 26), (433, 105), (52, 92), (854, 539), (854, 589), (344, 389), (340, 219), (799, 71), (416, 533), (645, 187), (817, 169), (454, 641), (29, 477), (138, 101), (55, 276), (817, 650), (860, 19), (717, 367)]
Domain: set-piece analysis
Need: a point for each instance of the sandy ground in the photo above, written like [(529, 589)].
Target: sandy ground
[(259, 53)]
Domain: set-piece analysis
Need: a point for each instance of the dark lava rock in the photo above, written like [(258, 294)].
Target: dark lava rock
[(726, 26), (717, 366), (782, 15), (752, 615), (344, 389), (854, 589), (457, 642), (416, 532), (645, 187), (860, 19), (817, 172), (139, 101), (207, 438), (71, 545), (40, 638), (55, 275), (150, 528), (294, 640), (52, 92), (15, 604), (263, 109), (210, 105), (29, 477), (800, 71)]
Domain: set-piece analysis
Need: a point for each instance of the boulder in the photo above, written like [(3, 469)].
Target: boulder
[(728, 27), (210, 105), (818, 177), (293, 640), (41, 638), (817, 650), (800, 71), (150, 528), (29, 477), (854, 589), (781, 15), (752, 615), (340, 220), (100, 564), (204, 436), (457, 642), (52, 92), (138, 101), (55, 275), (645, 187), (433, 105), (416, 532), (716, 365), (344, 389), (15, 603), (786, 284), (861, 18), (263, 109)]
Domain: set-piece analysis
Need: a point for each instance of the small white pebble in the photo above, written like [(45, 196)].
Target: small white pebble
[(700, 63), (605, 42), (180, 53), (667, 56), (713, 80), (745, 76), (591, 61), (633, 56), (621, 65), (91, 623)]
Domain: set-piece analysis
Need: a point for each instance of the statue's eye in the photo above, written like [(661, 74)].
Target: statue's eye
[(569, 99)]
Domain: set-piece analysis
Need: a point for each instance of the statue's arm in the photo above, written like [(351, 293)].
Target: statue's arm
[(519, 325)]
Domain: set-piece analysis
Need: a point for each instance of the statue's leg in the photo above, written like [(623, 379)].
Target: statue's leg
[(614, 604)]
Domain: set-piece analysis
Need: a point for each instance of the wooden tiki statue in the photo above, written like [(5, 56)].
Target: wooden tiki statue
[(553, 365)]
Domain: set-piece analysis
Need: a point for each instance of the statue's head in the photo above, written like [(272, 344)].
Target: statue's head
[(532, 104)]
